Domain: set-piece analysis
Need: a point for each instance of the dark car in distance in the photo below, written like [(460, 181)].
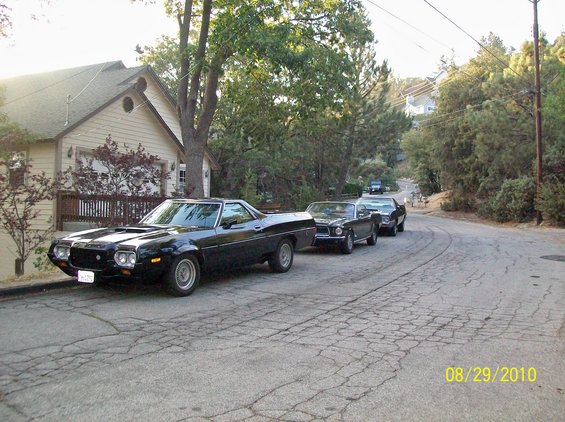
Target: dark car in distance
[(343, 223), (392, 213), (375, 186), (182, 237)]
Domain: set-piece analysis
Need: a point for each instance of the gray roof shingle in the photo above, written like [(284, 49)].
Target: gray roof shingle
[(38, 102)]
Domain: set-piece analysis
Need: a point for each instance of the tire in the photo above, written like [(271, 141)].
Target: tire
[(372, 240), (281, 260), (346, 246), (183, 276), (393, 230), (401, 226)]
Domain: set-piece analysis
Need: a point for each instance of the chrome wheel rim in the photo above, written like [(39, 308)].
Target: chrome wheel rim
[(349, 242), (285, 255), (185, 274)]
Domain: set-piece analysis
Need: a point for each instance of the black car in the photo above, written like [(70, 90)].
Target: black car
[(182, 237), (392, 213), (343, 224)]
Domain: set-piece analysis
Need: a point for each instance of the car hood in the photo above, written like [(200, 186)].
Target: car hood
[(128, 235), (329, 221), (383, 212)]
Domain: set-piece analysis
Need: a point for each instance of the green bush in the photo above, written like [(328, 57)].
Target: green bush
[(353, 189), (459, 202), (514, 201), (551, 202), (42, 262), (303, 195), (249, 188)]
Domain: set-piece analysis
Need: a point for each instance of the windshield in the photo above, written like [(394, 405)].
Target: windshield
[(335, 209), (378, 205), (183, 214)]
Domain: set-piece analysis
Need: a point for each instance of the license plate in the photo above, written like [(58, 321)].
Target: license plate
[(85, 276)]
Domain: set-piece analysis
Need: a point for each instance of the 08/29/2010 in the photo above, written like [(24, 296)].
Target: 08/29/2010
[(485, 374)]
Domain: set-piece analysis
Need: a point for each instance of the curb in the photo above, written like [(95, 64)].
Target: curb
[(36, 288)]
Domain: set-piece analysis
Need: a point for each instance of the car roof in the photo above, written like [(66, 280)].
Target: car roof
[(379, 199), (347, 202)]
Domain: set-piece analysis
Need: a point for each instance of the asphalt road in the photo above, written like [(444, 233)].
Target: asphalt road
[(403, 330)]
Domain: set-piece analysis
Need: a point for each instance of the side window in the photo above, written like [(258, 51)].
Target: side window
[(362, 210), (235, 212)]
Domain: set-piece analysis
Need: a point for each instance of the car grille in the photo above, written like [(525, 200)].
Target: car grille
[(90, 259), (322, 231)]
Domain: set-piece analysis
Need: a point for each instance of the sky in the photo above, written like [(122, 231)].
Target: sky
[(411, 35)]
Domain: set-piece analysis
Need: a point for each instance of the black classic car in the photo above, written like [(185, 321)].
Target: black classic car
[(182, 237), (393, 214), (343, 224)]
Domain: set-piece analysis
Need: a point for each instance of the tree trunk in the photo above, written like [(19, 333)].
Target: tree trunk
[(195, 130), (346, 159)]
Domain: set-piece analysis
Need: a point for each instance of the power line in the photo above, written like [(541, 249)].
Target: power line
[(498, 59)]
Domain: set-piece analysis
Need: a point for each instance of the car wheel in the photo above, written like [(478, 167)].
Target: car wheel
[(281, 260), (346, 246), (372, 240), (393, 230), (401, 226), (183, 276)]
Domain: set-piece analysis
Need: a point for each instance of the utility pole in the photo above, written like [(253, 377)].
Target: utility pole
[(537, 106)]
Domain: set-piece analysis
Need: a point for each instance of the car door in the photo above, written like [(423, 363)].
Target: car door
[(400, 211), (240, 235), (364, 222), (360, 222)]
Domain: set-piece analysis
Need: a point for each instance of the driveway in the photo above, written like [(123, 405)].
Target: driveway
[(421, 326)]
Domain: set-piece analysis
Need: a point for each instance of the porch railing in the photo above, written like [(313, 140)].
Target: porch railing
[(103, 210)]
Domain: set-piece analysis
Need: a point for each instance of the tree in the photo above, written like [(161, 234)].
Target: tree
[(115, 172), (21, 194), (210, 36), (480, 142)]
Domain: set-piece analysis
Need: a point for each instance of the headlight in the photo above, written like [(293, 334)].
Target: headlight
[(386, 220), (338, 231), (125, 259), (62, 252)]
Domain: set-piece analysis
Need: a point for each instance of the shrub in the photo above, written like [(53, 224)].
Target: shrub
[(249, 188), (353, 189), (304, 194), (551, 202), (514, 201), (458, 202), (42, 263)]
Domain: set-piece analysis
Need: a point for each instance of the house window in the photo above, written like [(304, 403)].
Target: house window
[(17, 170), (182, 177)]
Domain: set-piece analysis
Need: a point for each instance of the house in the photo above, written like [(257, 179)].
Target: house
[(74, 110), (420, 98)]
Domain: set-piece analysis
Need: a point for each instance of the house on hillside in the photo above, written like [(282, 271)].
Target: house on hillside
[(420, 98), (74, 110)]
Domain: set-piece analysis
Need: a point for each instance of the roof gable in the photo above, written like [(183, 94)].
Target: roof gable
[(49, 104), (52, 104)]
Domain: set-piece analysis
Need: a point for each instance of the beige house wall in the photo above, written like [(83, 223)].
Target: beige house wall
[(131, 129)]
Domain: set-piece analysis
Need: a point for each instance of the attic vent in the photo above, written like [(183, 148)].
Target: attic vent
[(127, 104), (141, 85)]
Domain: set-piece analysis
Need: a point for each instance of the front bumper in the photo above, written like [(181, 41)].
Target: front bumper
[(327, 240), (112, 271)]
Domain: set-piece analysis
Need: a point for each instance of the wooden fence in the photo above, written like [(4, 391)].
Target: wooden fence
[(103, 210)]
